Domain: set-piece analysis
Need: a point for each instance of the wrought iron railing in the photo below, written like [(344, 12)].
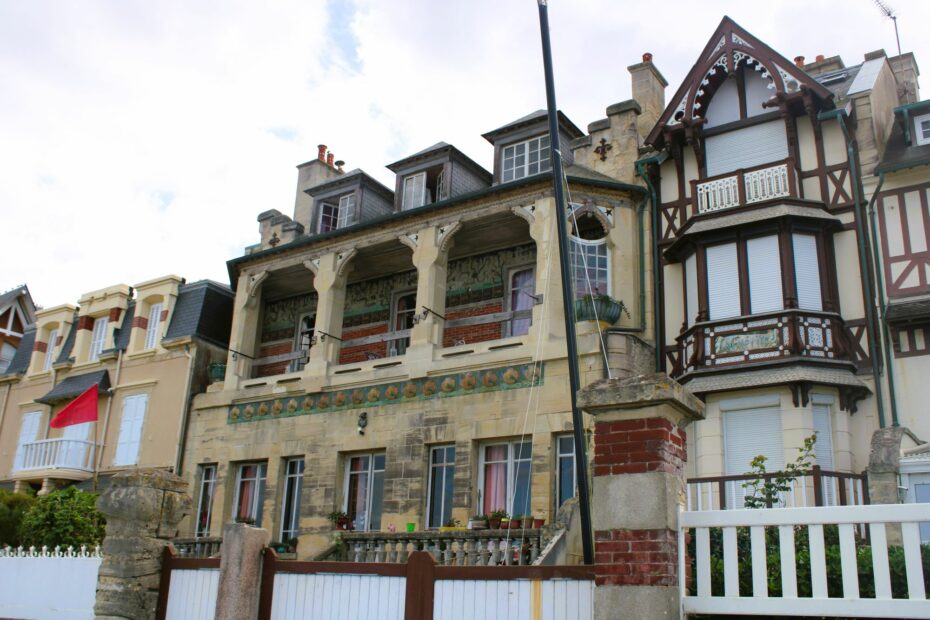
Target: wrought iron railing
[(745, 186), (204, 547)]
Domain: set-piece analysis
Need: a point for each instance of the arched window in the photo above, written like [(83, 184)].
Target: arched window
[(589, 256)]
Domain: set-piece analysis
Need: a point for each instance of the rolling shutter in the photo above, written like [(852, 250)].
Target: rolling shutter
[(807, 272), (764, 259), (749, 433), (130, 430), (823, 451), (722, 281), (747, 147), (691, 284)]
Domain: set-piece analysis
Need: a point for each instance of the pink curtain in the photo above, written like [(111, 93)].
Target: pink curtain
[(495, 479), (521, 285), (246, 490)]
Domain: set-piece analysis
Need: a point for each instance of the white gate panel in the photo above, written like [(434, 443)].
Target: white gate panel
[(49, 586), (519, 599), (192, 594), (327, 596)]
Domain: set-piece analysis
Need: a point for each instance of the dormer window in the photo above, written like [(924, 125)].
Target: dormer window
[(151, 330), (339, 215), (526, 158), (922, 126), (423, 188), (98, 338), (50, 350)]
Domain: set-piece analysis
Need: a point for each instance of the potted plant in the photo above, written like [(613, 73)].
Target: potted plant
[(495, 518), (538, 523), (291, 544), (516, 522), (451, 524), (279, 547), (601, 308), (478, 522), (341, 520), (527, 522)]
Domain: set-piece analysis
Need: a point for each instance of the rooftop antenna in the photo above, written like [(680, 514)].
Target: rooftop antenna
[(887, 11)]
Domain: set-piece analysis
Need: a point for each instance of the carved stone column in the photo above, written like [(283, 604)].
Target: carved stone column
[(143, 508), (330, 273), (244, 328)]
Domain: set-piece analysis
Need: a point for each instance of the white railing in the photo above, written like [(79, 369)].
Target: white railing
[(57, 454), (727, 492), (787, 520), (754, 185), (766, 184), (48, 584)]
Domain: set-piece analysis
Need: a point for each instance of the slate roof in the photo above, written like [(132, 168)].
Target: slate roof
[(898, 153), (581, 172), (76, 385), (772, 376), (534, 117), (65, 354), (838, 81), (20, 362), (121, 338), (203, 310), (908, 309)]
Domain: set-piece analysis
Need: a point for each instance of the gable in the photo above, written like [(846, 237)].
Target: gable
[(730, 48)]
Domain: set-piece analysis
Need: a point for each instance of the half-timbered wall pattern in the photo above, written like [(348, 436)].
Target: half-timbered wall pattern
[(904, 224)]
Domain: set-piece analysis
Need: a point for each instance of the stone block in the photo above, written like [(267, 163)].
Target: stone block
[(240, 572)]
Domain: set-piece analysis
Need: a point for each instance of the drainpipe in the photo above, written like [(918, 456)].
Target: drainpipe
[(882, 306), (6, 397), (106, 415), (657, 284), (186, 408), (840, 114)]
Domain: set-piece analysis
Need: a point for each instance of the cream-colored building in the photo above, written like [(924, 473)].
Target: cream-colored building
[(146, 348), (399, 354), (763, 168)]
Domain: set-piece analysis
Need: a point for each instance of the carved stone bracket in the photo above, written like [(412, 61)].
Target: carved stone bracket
[(343, 259), (411, 241), (255, 282), (313, 264), (445, 235), (526, 213)]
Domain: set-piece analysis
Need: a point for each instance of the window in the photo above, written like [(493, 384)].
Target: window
[(50, 350), (504, 478), (77, 453), (250, 493), (365, 490), (807, 272), (290, 508), (764, 266), (424, 188), (526, 158), (151, 330), (922, 127), (302, 340), (334, 216), (28, 432), (130, 430), (205, 500), (441, 475), (722, 281), (823, 448), (566, 481), (590, 266), (98, 337), (751, 426), (522, 298), (7, 351), (405, 307)]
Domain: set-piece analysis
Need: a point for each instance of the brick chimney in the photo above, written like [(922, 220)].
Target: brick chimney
[(321, 152), (329, 159), (799, 61), (649, 92), (905, 74)]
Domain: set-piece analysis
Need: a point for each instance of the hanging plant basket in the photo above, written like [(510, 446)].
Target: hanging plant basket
[(601, 308)]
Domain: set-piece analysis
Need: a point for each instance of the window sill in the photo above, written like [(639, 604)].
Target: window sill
[(141, 354)]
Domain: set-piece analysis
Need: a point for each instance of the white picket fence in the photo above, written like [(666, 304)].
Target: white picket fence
[(48, 584), (847, 518), (192, 594)]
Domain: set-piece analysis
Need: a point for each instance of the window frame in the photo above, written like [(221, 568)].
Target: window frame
[(919, 137), (152, 326), (421, 198), (510, 475), (369, 489), (559, 456), (98, 340), (132, 398), (50, 350), (207, 487), (258, 499), (398, 347), (447, 477), (524, 168), (290, 523), (511, 272), (19, 456), (341, 214)]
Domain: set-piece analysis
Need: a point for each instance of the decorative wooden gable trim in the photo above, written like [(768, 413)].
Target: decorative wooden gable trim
[(730, 47)]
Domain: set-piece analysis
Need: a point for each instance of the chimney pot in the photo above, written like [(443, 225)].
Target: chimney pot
[(647, 57), (321, 152), (820, 57), (329, 159), (799, 61)]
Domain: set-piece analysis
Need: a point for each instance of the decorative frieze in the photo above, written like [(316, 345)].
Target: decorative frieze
[(395, 393)]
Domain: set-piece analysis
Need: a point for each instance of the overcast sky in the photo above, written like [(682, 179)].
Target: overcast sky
[(141, 138)]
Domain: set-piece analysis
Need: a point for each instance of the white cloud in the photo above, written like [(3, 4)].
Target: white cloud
[(143, 138)]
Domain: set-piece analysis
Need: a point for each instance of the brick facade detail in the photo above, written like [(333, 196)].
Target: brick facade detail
[(636, 557), (638, 446), (115, 314), (140, 321), (472, 333), (85, 322), (40, 347)]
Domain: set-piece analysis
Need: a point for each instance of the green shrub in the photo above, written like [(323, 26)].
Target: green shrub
[(12, 508), (62, 518)]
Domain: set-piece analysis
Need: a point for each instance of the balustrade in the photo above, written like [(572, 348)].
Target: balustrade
[(460, 548), (56, 454), (744, 187)]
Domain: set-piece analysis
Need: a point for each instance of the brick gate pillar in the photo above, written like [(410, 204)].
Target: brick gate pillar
[(638, 487)]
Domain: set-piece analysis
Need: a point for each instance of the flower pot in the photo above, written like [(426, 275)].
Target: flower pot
[(602, 309), (538, 523), (515, 524), (527, 523), (344, 523), (217, 372), (411, 527), (477, 524), (494, 524)]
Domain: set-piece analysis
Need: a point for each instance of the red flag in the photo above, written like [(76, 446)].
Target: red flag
[(81, 409)]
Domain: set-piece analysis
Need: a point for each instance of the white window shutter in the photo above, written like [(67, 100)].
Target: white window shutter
[(28, 432), (807, 272), (98, 337), (414, 188), (130, 430), (765, 294), (50, 350), (723, 281), (750, 433), (153, 328), (691, 285)]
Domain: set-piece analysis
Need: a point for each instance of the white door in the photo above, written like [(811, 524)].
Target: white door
[(28, 432)]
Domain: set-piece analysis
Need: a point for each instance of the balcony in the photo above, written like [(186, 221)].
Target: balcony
[(744, 187), (74, 455), (759, 338)]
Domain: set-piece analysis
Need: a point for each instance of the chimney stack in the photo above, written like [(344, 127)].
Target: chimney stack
[(649, 92), (819, 58), (329, 159), (321, 152), (799, 61)]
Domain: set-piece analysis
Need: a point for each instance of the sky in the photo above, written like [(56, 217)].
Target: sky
[(142, 138)]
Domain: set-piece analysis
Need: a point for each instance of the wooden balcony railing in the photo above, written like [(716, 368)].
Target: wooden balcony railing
[(817, 487), (757, 338), (452, 548), (744, 186)]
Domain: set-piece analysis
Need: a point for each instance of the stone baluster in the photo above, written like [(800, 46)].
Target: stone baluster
[(402, 552), (460, 553), (494, 560), (359, 553), (471, 553), (485, 554)]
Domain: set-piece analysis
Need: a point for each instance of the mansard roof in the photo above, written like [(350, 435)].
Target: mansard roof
[(729, 47)]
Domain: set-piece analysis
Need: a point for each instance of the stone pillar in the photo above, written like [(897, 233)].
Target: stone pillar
[(330, 273), (884, 464), (244, 328), (541, 218), (240, 572), (143, 508), (431, 258), (638, 487)]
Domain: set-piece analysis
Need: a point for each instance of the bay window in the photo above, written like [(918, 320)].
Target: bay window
[(525, 158), (441, 475), (589, 256), (764, 266), (723, 299), (364, 486), (807, 272), (250, 493), (505, 477)]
